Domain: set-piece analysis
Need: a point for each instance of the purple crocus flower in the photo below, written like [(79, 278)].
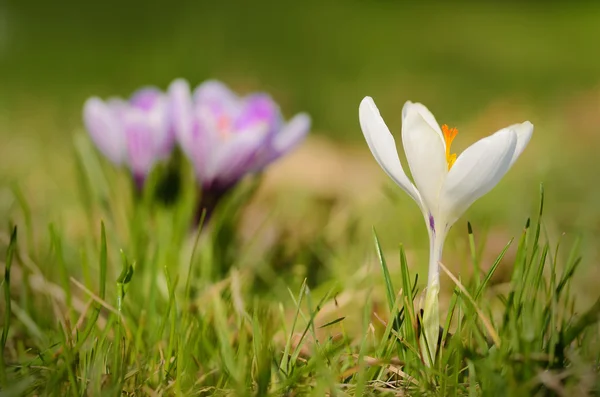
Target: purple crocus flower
[(226, 136), (136, 133)]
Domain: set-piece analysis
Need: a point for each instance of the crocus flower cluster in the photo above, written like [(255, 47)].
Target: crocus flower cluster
[(445, 185), (225, 136)]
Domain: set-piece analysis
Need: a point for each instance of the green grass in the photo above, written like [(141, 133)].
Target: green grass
[(142, 304), (286, 292)]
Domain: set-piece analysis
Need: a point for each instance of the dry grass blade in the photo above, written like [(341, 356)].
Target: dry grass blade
[(402, 374), (391, 365), (95, 297), (486, 321)]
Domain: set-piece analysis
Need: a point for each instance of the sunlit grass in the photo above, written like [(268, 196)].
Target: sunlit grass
[(145, 304)]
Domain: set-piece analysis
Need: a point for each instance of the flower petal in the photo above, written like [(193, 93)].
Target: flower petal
[(476, 171), (427, 116), (181, 114), (163, 135), (282, 142), (146, 98), (258, 109), (291, 135), (425, 152), (383, 146), (190, 130), (218, 98), (153, 106), (524, 132), (233, 158), (140, 144), (105, 129)]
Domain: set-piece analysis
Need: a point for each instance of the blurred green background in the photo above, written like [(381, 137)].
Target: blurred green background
[(478, 66), (323, 57)]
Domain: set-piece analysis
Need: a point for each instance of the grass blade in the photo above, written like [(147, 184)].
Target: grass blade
[(474, 260), (7, 310), (102, 288), (286, 353), (410, 318), (486, 321), (492, 270), (590, 317), (389, 288)]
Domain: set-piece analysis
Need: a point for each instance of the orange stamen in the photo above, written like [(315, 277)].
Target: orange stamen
[(449, 135)]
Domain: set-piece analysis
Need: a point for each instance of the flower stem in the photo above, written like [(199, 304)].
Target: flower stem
[(431, 311)]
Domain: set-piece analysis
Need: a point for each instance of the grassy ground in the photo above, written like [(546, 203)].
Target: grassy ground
[(284, 292)]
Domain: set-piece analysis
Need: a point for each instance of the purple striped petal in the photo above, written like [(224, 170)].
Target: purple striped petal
[(292, 134), (215, 97), (283, 142), (225, 136), (140, 145), (232, 159), (181, 115), (147, 99), (258, 111)]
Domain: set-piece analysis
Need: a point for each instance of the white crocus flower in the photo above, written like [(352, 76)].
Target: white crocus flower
[(444, 185)]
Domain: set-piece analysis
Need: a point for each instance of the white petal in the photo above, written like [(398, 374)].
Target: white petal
[(476, 171), (105, 129), (425, 152), (382, 145), (524, 132), (427, 116)]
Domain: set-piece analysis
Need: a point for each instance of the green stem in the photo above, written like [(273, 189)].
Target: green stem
[(431, 311)]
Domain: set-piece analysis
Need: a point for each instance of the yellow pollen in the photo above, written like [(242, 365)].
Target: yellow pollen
[(449, 135)]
